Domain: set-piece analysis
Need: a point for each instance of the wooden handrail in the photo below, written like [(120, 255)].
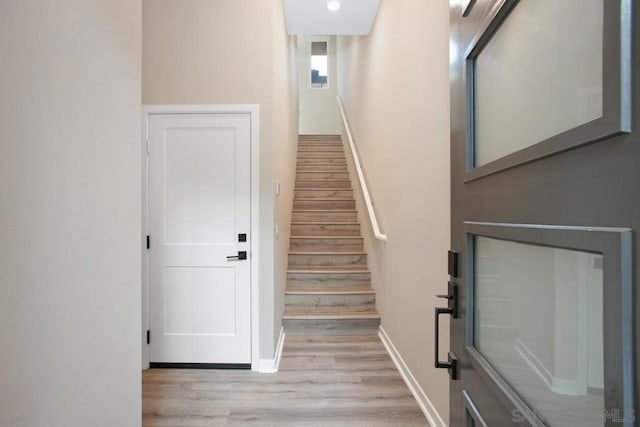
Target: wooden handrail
[(365, 190)]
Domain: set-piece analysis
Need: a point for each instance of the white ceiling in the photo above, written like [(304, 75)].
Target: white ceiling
[(311, 17)]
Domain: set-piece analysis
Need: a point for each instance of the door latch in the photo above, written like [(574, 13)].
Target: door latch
[(452, 309), (241, 256), (452, 300)]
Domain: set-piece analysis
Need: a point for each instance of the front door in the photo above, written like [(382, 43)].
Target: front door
[(545, 210), (199, 249)]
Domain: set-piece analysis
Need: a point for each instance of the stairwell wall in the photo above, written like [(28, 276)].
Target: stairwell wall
[(285, 148), (395, 87), (318, 109)]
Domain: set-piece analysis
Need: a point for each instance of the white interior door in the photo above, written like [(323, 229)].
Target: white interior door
[(199, 206)]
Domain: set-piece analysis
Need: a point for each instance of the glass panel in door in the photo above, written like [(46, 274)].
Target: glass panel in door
[(538, 322)]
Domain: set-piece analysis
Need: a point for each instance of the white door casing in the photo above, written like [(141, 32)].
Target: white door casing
[(199, 199)]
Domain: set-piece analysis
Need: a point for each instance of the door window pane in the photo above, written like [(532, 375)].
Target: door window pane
[(539, 75), (538, 321)]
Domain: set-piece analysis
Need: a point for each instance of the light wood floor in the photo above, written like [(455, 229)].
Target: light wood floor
[(323, 381)]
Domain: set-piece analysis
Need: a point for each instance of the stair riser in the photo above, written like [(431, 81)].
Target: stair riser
[(337, 261), (320, 155), (320, 144), (323, 194), (321, 161), (320, 141), (350, 216), (313, 280), (331, 326), (325, 230), (354, 301), (323, 204), (331, 167), (327, 245), (323, 184), (319, 138), (309, 176), (319, 148)]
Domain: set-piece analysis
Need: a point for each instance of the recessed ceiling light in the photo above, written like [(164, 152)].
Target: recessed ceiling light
[(333, 5)]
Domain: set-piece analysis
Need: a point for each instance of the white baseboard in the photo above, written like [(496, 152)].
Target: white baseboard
[(567, 387), (279, 348), (425, 404), (534, 363), (270, 366)]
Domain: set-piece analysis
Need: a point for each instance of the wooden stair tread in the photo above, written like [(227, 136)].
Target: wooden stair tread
[(323, 189), (326, 253), (327, 238), (324, 223), (324, 199), (332, 339), (330, 313), (345, 290), (327, 211), (332, 270), (315, 180)]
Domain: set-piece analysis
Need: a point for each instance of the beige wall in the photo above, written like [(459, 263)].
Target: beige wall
[(227, 52), (285, 145), (395, 87), (70, 213), (318, 111)]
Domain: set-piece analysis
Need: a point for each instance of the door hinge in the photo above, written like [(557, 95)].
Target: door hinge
[(148, 242), (148, 146), (148, 336)]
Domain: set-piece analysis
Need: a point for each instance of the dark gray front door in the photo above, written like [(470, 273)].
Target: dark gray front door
[(545, 169)]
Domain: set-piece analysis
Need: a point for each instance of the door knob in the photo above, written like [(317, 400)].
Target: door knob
[(241, 255)]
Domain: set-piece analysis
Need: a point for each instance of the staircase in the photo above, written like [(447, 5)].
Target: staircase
[(328, 283)]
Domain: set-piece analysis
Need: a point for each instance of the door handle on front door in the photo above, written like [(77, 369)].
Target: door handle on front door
[(241, 256), (452, 309)]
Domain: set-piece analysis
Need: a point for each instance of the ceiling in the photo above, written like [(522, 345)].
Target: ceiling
[(311, 17)]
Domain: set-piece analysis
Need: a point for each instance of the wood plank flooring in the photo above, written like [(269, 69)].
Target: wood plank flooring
[(323, 381)]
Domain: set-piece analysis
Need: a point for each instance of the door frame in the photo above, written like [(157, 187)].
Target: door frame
[(254, 112)]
